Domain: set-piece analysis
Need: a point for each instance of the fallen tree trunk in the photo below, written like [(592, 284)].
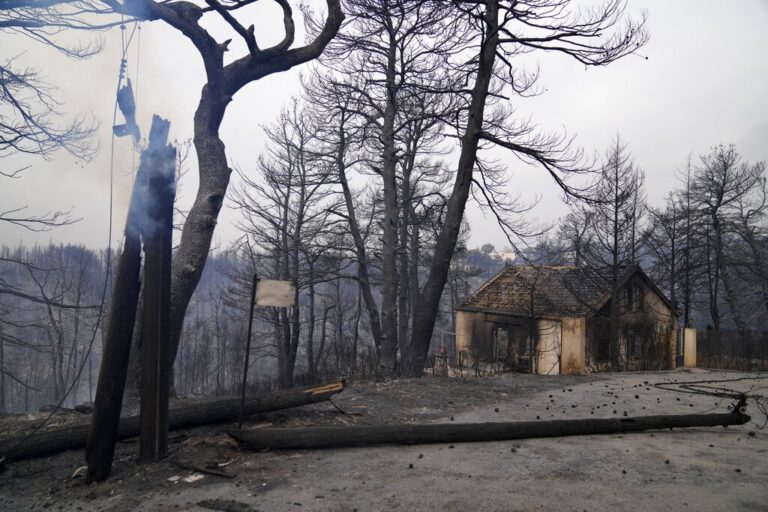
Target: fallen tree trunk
[(333, 437), (45, 443)]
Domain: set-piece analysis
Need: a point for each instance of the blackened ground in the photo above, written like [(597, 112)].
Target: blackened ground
[(686, 469)]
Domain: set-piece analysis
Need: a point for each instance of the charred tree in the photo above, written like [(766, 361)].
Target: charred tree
[(615, 221), (722, 185), (500, 30), (223, 82)]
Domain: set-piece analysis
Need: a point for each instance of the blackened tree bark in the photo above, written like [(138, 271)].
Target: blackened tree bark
[(721, 185), (502, 29), (614, 226), (285, 213), (342, 133), (389, 56), (751, 229), (388, 361), (223, 82)]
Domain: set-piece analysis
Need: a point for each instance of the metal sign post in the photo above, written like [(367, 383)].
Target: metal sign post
[(247, 351), (264, 292)]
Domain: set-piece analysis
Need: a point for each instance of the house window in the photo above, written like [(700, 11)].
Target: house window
[(603, 350), (633, 299), (600, 334), (634, 342)]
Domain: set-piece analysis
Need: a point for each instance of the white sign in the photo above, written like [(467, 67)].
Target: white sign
[(270, 292)]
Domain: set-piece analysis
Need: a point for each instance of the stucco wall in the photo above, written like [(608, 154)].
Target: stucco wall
[(689, 350), (561, 343), (468, 325), (663, 314), (574, 345), (657, 307), (549, 347)]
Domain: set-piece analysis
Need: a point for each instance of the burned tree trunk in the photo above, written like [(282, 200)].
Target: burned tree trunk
[(220, 411), (333, 437), (374, 318), (425, 316)]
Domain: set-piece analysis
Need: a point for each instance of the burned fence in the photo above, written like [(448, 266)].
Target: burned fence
[(728, 349)]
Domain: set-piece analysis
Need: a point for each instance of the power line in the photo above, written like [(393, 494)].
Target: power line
[(705, 387), (125, 45)]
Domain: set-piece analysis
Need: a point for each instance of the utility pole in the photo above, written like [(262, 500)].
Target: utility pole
[(155, 357)]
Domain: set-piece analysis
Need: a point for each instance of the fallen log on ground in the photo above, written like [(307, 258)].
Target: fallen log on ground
[(347, 436), (219, 411)]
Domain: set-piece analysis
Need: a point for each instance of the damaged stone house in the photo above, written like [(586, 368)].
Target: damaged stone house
[(556, 320)]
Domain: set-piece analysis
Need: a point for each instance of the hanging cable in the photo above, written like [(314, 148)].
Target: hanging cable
[(705, 387), (125, 45), (138, 69)]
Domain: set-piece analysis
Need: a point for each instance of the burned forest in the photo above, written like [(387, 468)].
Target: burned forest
[(395, 255)]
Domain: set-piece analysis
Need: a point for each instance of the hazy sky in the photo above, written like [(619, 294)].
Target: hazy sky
[(705, 82)]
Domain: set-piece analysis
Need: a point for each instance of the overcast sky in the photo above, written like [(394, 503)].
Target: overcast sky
[(705, 82)]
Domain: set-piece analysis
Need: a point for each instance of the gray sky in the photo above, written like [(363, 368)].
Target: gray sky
[(705, 82)]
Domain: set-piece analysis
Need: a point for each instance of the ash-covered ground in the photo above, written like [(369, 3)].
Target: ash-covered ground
[(684, 469)]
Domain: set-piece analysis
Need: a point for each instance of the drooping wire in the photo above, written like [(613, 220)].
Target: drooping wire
[(705, 387), (137, 27), (125, 45)]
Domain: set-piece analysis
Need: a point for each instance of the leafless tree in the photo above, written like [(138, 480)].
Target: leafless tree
[(32, 121), (286, 213), (34, 124), (45, 328), (387, 60), (341, 134), (617, 199), (499, 31), (722, 186), (223, 82), (575, 231), (691, 257), (31, 117), (664, 242), (752, 234)]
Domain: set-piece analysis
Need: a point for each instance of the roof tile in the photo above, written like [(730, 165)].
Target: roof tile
[(546, 291)]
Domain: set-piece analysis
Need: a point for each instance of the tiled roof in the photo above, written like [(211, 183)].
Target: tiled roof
[(546, 291)]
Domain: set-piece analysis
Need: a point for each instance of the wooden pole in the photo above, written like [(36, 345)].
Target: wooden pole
[(155, 358), (108, 401), (334, 437), (219, 411), (247, 350)]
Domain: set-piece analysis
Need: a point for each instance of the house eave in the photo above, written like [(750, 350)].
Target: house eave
[(502, 312)]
